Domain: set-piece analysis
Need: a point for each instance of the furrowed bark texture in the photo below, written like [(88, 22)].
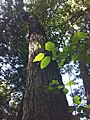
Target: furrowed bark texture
[(39, 104), (86, 80)]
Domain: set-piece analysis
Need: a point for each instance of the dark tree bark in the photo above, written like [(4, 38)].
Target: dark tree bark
[(86, 79), (39, 104)]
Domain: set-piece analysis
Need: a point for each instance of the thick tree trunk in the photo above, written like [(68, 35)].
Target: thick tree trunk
[(39, 104), (86, 80)]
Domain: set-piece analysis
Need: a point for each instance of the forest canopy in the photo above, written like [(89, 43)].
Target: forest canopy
[(66, 27)]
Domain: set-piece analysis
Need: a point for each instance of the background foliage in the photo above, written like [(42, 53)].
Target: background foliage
[(67, 26)]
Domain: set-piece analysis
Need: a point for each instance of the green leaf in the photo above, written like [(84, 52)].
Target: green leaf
[(50, 88), (87, 106), (45, 62), (60, 86), (49, 46), (77, 100), (70, 83), (75, 57), (39, 46), (88, 51), (78, 36), (54, 58), (67, 49), (55, 50), (65, 90), (55, 82), (39, 57), (61, 63)]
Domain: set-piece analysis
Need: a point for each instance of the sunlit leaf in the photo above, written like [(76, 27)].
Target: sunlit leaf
[(55, 82), (70, 83), (65, 90), (45, 62), (39, 46), (77, 100), (87, 106), (49, 46), (60, 86), (54, 58), (39, 57)]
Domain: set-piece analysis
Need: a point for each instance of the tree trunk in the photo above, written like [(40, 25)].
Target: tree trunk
[(39, 104), (86, 80)]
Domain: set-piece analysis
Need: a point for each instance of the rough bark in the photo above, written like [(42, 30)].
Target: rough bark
[(86, 81), (39, 104)]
